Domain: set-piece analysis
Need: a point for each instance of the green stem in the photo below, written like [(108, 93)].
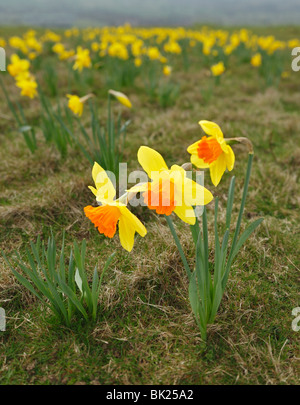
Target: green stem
[(195, 229), (238, 224), (179, 247), (10, 103), (245, 191)]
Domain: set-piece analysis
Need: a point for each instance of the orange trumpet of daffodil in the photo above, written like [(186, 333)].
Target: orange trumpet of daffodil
[(212, 152), (170, 189), (112, 212)]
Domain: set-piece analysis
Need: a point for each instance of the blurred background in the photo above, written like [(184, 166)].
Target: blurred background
[(56, 13)]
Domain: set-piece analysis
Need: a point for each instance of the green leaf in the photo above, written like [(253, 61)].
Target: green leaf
[(245, 235), (230, 202), (78, 280)]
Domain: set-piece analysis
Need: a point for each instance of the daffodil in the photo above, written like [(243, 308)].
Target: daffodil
[(26, 82), (58, 48), (218, 69), (138, 62), (112, 212), (167, 70), (76, 103), (170, 189), (17, 65), (82, 59), (212, 152), (121, 97), (256, 60)]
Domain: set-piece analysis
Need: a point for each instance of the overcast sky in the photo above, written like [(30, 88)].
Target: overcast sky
[(148, 12)]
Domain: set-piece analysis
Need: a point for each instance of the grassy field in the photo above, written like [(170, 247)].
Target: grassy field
[(146, 333)]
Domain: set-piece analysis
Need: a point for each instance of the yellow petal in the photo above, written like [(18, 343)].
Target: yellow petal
[(186, 214), (104, 186), (195, 194), (193, 148), (131, 218), (128, 225), (230, 158), (126, 234), (121, 97), (217, 169), (93, 190), (199, 162), (177, 173), (150, 160), (211, 128)]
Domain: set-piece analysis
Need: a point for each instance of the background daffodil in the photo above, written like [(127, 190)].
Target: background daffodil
[(121, 97), (212, 152), (112, 212), (75, 103), (170, 190)]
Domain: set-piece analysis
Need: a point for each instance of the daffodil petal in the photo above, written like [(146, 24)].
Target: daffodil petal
[(128, 225), (199, 162), (193, 148), (121, 97), (195, 194), (230, 158), (217, 169), (126, 234), (104, 186), (186, 214), (93, 190), (150, 160), (211, 128), (139, 227)]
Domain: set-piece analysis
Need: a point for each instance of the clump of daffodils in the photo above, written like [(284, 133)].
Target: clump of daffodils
[(19, 70), (170, 190)]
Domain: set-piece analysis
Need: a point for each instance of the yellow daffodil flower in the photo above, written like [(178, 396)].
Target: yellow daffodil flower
[(153, 53), (17, 65), (58, 48), (218, 69), (212, 152), (32, 55), (138, 62), (256, 60), (26, 82), (82, 59), (76, 104), (112, 212), (121, 97), (170, 189), (167, 70)]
